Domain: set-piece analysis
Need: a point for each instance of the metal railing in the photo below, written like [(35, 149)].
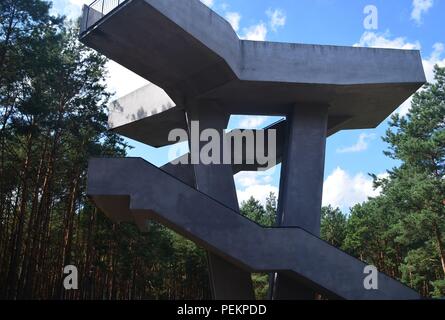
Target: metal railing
[(96, 11)]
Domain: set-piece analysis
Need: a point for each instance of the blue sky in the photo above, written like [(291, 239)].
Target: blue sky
[(351, 155)]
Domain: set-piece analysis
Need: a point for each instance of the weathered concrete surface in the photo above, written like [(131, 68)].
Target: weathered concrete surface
[(146, 115), (148, 192), (228, 281), (147, 101), (193, 54), (183, 169), (301, 185), (185, 173), (302, 174), (89, 18)]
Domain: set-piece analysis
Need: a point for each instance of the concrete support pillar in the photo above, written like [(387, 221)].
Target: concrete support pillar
[(228, 281), (301, 185)]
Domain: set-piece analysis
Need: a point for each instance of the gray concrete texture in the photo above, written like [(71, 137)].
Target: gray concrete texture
[(206, 74), (301, 185), (131, 189), (228, 281), (194, 54), (148, 114)]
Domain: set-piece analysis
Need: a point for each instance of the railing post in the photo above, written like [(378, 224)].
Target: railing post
[(97, 7), (88, 17)]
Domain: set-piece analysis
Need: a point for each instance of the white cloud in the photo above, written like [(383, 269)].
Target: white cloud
[(246, 179), (277, 18), (361, 145), (375, 40), (208, 3), (419, 8), (342, 190), (259, 192), (234, 19), (224, 6), (255, 184), (436, 57), (252, 122), (256, 32), (80, 3), (69, 8)]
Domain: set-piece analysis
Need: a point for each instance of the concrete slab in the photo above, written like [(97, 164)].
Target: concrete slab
[(146, 115), (194, 54)]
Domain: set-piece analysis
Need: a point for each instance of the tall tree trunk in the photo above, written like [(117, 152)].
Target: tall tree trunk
[(16, 248), (69, 223), (89, 272), (440, 246), (43, 213), (6, 254), (33, 232), (7, 114), (43, 263)]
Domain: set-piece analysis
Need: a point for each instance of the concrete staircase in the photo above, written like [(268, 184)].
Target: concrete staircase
[(131, 189)]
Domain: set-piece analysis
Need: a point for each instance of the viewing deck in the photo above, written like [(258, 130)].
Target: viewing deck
[(194, 55)]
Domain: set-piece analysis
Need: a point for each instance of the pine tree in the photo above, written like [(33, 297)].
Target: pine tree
[(333, 226)]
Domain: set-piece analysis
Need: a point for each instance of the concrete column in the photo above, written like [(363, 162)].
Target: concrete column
[(301, 185), (228, 281)]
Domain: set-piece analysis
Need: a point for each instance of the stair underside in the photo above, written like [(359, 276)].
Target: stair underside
[(131, 189)]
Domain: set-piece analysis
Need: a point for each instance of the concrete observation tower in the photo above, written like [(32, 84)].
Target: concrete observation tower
[(201, 71)]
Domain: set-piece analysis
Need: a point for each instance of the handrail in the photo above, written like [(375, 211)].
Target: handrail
[(96, 11)]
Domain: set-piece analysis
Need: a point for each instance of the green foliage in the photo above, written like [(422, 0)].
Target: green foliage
[(255, 211), (261, 285), (53, 118), (439, 289), (264, 216), (402, 230), (333, 226), (417, 188)]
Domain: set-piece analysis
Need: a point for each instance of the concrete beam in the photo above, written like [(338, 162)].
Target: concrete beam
[(146, 115), (194, 54), (302, 173), (151, 193), (301, 185), (228, 281)]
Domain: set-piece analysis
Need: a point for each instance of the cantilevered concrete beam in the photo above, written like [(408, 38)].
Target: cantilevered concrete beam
[(193, 54), (148, 115), (183, 170), (150, 193)]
